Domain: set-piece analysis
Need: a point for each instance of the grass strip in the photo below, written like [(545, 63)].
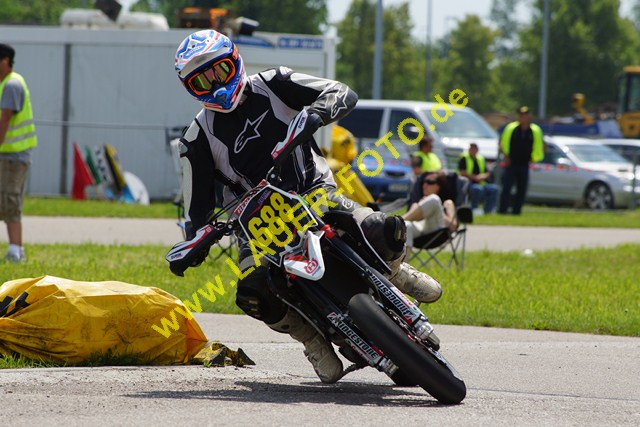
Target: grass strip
[(42, 206), (587, 290)]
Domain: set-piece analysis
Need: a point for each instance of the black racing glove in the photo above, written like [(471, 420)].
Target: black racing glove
[(193, 252)]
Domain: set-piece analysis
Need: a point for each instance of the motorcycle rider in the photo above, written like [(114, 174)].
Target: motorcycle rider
[(231, 140)]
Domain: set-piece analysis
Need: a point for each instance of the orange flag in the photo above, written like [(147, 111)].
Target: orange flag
[(81, 175)]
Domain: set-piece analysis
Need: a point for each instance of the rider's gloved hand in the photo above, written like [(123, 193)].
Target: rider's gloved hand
[(199, 257), (301, 129), (193, 251)]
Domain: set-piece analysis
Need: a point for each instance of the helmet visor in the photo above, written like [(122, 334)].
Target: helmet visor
[(220, 73)]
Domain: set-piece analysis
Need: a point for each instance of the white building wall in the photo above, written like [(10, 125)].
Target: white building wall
[(122, 91)]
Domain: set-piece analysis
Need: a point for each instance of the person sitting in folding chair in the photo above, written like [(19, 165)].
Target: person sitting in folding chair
[(434, 225), (430, 213)]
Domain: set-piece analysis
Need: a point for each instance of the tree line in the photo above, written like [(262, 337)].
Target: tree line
[(497, 63)]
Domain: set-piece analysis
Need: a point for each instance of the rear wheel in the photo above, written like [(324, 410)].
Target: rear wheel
[(599, 196), (425, 366)]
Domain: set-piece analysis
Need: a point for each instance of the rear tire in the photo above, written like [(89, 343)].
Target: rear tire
[(426, 366)]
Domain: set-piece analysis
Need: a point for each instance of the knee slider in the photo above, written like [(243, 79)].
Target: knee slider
[(387, 234)]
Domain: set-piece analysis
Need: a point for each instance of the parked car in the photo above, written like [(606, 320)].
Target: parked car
[(627, 148), (581, 172), (393, 179), (371, 120)]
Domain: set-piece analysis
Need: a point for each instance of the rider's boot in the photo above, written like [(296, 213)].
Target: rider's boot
[(419, 285), (320, 353), (388, 235)]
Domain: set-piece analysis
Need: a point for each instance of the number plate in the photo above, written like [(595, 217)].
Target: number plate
[(273, 221), (398, 188)]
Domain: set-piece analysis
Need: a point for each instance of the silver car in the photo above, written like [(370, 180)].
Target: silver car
[(582, 172), (627, 148)]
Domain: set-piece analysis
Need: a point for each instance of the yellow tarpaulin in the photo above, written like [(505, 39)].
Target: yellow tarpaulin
[(71, 322), (217, 354)]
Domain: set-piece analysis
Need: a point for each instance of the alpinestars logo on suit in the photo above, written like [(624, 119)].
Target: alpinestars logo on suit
[(249, 132)]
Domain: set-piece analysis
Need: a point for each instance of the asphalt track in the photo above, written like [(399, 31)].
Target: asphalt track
[(514, 377)]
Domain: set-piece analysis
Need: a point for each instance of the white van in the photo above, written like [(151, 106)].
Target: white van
[(371, 119)]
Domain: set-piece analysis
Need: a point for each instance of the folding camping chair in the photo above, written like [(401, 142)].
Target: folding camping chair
[(227, 244), (428, 247), (443, 241)]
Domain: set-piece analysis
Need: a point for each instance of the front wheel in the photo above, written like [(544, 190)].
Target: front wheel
[(426, 366), (599, 196), (401, 379)]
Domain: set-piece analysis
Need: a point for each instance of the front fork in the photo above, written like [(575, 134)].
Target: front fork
[(394, 298), (401, 305)]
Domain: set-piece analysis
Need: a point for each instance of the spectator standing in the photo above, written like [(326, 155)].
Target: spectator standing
[(430, 162), (17, 139), (520, 143), (473, 166)]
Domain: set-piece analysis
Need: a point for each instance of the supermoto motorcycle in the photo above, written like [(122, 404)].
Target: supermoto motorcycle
[(324, 267)]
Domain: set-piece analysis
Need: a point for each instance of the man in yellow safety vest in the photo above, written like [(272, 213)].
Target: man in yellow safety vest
[(521, 143), (473, 166), (430, 162), (17, 139)]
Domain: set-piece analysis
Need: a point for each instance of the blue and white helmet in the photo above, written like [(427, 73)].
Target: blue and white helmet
[(211, 69)]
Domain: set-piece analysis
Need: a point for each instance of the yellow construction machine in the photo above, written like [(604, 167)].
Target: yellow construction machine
[(629, 102), (627, 113), (219, 19)]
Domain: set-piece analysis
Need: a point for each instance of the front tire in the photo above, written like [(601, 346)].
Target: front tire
[(599, 196), (401, 379), (426, 366)]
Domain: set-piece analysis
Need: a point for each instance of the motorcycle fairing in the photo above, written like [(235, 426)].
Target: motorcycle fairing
[(309, 264)]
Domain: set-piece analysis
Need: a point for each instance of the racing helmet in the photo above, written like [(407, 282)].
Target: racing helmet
[(211, 69)]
